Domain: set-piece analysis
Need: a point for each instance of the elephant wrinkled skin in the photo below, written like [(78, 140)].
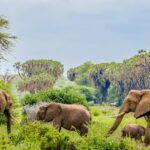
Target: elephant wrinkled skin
[(137, 101), (66, 116)]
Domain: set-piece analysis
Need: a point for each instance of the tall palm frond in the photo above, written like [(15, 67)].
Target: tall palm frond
[(5, 38)]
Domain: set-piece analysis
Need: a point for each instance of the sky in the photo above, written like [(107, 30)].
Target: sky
[(76, 31)]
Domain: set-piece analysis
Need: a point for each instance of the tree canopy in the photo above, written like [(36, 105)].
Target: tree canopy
[(132, 73), (38, 74), (6, 39)]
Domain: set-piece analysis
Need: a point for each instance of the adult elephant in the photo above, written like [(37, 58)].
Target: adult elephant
[(66, 116), (137, 101), (5, 107)]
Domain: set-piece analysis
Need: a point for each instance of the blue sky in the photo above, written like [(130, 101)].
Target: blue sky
[(76, 31)]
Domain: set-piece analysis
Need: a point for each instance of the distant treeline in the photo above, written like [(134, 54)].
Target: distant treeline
[(104, 82), (113, 80)]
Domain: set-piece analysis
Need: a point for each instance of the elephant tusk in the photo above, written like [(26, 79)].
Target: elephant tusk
[(119, 115)]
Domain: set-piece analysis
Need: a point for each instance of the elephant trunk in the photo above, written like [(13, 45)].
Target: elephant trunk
[(117, 122)]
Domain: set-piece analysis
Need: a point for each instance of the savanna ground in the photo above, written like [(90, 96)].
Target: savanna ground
[(38, 136)]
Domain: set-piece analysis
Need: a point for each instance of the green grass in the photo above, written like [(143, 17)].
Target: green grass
[(43, 136)]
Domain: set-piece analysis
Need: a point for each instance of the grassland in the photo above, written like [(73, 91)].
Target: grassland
[(43, 136)]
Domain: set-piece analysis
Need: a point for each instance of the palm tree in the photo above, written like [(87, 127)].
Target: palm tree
[(5, 38)]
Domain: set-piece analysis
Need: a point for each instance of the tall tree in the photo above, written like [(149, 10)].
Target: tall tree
[(38, 74), (6, 39)]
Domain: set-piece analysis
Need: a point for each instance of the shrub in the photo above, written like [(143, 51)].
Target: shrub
[(95, 112), (62, 96), (43, 137), (89, 92)]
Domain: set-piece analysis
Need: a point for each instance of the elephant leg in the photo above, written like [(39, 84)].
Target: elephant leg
[(147, 134), (57, 123), (84, 130), (8, 117)]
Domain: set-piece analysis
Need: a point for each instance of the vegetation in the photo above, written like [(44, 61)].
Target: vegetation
[(38, 74), (62, 96), (133, 73), (89, 83), (44, 137), (5, 38), (89, 92)]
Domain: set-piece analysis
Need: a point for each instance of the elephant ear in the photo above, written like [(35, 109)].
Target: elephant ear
[(144, 105)]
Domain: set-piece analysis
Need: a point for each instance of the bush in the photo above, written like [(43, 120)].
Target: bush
[(44, 137), (89, 92), (62, 96), (36, 136), (96, 111)]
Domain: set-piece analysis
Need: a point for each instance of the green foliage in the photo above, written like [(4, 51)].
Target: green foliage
[(38, 74), (5, 86), (63, 82), (113, 94), (96, 112), (74, 74), (42, 137), (6, 39), (62, 96), (37, 136), (107, 78), (89, 92)]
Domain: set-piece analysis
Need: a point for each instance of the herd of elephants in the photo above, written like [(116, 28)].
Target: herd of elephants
[(77, 116)]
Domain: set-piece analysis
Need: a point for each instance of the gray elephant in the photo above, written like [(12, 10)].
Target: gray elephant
[(30, 111), (68, 116), (134, 131), (5, 107), (137, 101)]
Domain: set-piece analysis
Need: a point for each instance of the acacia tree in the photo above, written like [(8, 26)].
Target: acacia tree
[(38, 74), (91, 75), (80, 74), (133, 73), (6, 39), (99, 80)]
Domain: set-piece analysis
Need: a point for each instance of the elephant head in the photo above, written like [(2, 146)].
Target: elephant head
[(137, 101), (5, 107), (48, 112), (142, 131)]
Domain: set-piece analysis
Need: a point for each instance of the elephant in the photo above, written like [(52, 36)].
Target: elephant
[(134, 131), (66, 116), (5, 107), (30, 111), (137, 101)]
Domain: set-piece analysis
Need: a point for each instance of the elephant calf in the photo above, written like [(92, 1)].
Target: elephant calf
[(66, 116), (134, 131)]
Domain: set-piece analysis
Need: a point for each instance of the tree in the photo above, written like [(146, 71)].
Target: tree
[(7, 77), (132, 73), (99, 80), (80, 74), (5, 38), (38, 74)]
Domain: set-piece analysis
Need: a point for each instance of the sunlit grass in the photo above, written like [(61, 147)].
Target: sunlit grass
[(96, 138)]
